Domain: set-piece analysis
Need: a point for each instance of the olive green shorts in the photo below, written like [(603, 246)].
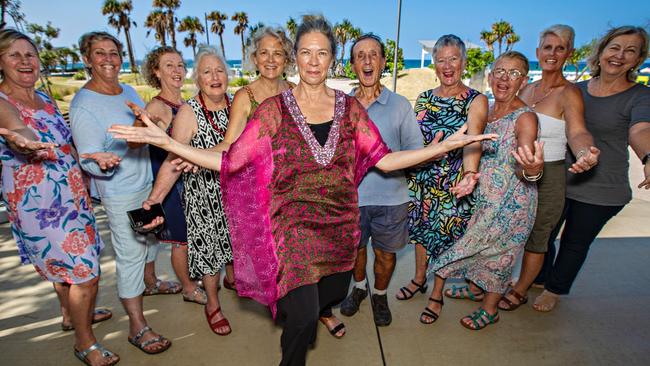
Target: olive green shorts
[(550, 203)]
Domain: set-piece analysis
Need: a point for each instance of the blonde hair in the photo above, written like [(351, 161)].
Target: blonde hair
[(7, 37), (594, 59), (562, 31), (277, 33)]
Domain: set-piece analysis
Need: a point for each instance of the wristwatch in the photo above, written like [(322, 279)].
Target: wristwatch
[(645, 158)]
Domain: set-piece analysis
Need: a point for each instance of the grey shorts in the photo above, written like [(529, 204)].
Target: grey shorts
[(550, 203), (386, 225)]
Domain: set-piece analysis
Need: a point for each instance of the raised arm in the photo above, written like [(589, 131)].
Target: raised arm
[(404, 159), (528, 153), (154, 135), (580, 140)]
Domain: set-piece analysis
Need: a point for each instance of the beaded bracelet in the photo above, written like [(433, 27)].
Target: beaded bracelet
[(534, 178)]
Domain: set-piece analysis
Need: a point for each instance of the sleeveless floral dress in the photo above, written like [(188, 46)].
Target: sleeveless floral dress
[(49, 207), (436, 217)]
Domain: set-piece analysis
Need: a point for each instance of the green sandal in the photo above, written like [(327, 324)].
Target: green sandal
[(463, 292), (480, 319)]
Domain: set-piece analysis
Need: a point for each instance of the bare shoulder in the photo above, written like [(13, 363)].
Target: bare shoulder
[(10, 118), (527, 117)]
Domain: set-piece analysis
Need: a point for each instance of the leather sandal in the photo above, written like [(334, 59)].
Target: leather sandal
[(99, 315), (197, 296), (83, 355), (229, 285), (430, 313), (170, 288), (142, 345), (464, 292), (219, 324), (407, 294), (334, 331), (480, 319), (509, 304)]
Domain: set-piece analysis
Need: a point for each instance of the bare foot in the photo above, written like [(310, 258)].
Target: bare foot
[(546, 301)]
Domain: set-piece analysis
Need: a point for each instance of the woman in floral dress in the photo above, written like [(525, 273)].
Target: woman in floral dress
[(49, 208), (505, 201)]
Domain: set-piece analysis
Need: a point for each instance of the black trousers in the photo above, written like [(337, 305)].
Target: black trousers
[(582, 223), (300, 310)]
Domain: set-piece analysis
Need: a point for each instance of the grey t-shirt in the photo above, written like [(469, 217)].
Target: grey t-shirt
[(395, 119), (609, 120)]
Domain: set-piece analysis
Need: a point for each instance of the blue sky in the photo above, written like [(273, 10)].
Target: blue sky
[(421, 19)]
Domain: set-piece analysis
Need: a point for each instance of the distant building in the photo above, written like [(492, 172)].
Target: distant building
[(427, 48)]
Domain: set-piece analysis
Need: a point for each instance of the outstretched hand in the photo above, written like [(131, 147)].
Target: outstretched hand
[(466, 185), (149, 134), (586, 161), (139, 112), (105, 160), (460, 139), (24, 145), (185, 166), (529, 160)]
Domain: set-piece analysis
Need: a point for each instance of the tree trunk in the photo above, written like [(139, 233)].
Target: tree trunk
[(194, 48), (243, 50), (172, 31), (134, 67), (223, 50), (2, 16)]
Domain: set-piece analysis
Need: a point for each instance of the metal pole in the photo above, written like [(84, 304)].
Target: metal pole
[(399, 15), (207, 30)]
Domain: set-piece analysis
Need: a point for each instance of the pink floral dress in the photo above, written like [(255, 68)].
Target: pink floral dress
[(49, 207)]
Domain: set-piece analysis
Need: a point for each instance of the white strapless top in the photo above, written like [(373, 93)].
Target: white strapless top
[(553, 134)]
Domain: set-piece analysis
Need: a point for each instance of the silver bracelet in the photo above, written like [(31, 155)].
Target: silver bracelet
[(534, 178)]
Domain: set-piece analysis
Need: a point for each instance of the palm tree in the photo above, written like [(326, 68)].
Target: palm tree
[(157, 22), (169, 6), (251, 32), (12, 9), (292, 28), (118, 17), (501, 30), (218, 27), (342, 33), (511, 39), (191, 25), (242, 24), (489, 38)]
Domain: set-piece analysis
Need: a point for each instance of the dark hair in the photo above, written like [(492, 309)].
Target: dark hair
[(594, 62), (372, 36), (316, 23), (152, 63)]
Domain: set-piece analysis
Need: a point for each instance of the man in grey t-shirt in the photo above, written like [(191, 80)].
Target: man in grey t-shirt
[(383, 197)]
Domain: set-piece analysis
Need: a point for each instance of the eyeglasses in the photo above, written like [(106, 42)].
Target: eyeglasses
[(452, 60), (513, 74)]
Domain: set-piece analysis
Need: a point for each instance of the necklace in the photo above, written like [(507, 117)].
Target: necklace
[(550, 90), (208, 114), (168, 102)]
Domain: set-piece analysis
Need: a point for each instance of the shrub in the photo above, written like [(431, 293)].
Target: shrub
[(239, 82)]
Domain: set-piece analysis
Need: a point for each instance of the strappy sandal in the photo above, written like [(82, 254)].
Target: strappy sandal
[(83, 355), (170, 288), (142, 345), (99, 315), (219, 324), (334, 331), (510, 306), (230, 285), (406, 292), (546, 301), (430, 313), (197, 296), (480, 319), (463, 292)]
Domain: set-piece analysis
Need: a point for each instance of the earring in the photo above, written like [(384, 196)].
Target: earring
[(257, 72), (284, 75)]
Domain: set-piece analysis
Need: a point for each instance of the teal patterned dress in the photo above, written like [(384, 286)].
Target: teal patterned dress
[(436, 217), (503, 217)]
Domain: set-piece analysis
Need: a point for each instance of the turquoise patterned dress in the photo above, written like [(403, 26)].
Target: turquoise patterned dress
[(436, 217), (503, 217), (48, 204)]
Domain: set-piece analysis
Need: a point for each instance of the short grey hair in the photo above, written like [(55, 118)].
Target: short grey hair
[(205, 50), (562, 31), (449, 40), (277, 33)]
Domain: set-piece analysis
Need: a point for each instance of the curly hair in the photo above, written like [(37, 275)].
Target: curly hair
[(594, 60), (277, 33), (152, 63), (87, 39)]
